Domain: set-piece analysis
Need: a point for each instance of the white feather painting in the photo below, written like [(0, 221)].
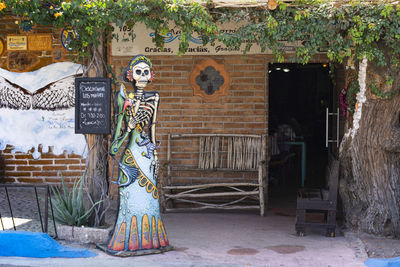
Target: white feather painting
[(38, 108)]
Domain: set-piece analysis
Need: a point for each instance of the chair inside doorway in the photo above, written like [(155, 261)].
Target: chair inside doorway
[(323, 201)]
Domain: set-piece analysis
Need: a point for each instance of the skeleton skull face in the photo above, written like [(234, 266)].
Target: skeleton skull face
[(141, 73)]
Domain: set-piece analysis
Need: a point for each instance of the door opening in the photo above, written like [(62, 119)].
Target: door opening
[(299, 96)]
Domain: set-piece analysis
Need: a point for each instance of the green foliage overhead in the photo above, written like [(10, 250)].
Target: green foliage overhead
[(352, 28), (356, 28), (92, 18)]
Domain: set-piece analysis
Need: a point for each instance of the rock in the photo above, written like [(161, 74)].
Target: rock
[(84, 234)]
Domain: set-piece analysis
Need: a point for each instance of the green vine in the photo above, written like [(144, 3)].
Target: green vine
[(381, 94), (93, 18), (354, 28), (352, 91)]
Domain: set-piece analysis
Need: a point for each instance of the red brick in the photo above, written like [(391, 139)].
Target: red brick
[(72, 173), (184, 94), (213, 125), (58, 181), (171, 74), (162, 68), (8, 149), (180, 81), (67, 161), (76, 167), (182, 68), (29, 168), (172, 100), (163, 81), (44, 173), (200, 131), (17, 174), (233, 125), (23, 156), (164, 93), (54, 168), (52, 156), (192, 124), (40, 162), (244, 93)]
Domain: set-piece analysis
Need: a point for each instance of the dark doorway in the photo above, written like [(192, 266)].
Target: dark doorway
[(298, 98)]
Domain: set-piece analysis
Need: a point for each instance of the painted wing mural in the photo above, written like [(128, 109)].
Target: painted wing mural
[(58, 95), (38, 108), (13, 96)]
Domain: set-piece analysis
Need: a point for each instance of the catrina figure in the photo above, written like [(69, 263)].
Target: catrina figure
[(139, 227)]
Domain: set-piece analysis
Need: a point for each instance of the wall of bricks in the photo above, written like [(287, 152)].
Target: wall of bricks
[(21, 167), (241, 111), (244, 110)]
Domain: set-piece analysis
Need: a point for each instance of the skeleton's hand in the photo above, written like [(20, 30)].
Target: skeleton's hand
[(155, 160), (132, 124), (154, 163), (155, 156)]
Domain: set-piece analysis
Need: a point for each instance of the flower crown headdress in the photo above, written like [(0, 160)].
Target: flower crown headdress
[(128, 73)]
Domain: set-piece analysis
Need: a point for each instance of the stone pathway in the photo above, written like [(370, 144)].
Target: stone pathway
[(26, 218)]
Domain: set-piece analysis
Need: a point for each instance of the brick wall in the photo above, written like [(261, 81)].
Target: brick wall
[(241, 111), (21, 167), (244, 110)]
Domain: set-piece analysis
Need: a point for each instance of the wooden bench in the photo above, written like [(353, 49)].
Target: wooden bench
[(319, 201), (207, 154)]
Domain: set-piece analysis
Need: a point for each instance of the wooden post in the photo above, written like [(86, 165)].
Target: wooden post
[(97, 164)]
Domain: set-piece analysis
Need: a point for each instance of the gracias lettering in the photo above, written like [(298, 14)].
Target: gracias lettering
[(158, 50)]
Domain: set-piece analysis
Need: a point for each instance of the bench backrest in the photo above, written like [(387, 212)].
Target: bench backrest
[(213, 151)]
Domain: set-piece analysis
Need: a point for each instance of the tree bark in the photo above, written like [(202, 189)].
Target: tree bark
[(97, 165), (370, 161)]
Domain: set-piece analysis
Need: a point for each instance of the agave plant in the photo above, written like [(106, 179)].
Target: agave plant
[(69, 208)]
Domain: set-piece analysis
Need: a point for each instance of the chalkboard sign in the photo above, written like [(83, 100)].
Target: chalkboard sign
[(92, 105)]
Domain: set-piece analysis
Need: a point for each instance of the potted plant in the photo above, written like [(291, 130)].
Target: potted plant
[(72, 216)]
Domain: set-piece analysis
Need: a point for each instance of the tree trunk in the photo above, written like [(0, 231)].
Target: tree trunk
[(97, 177), (370, 160), (97, 166)]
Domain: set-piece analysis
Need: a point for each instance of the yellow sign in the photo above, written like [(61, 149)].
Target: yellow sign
[(1, 47), (17, 42), (40, 42)]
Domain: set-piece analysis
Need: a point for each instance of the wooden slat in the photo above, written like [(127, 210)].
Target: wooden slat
[(169, 187), (224, 208), (173, 196), (315, 204), (188, 168), (215, 205)]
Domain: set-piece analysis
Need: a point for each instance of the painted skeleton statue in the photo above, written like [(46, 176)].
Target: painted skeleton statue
[(139, 227)]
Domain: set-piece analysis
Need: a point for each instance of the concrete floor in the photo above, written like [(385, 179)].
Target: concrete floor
[(229, 239)]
